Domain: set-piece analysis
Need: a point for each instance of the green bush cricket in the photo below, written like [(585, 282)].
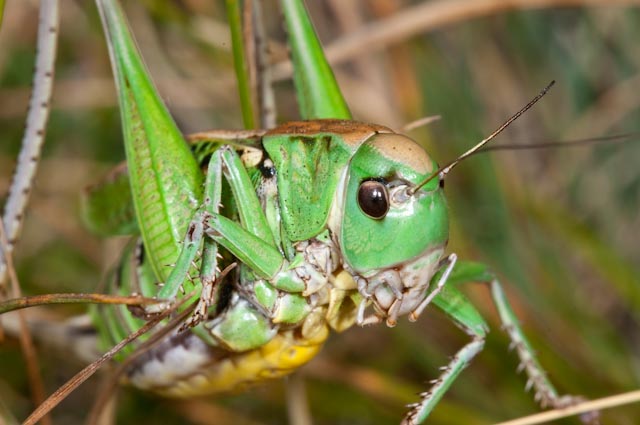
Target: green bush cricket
[(342, 217), (269, 287)]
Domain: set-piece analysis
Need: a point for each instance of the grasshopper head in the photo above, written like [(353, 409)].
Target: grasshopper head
[(392, 239)]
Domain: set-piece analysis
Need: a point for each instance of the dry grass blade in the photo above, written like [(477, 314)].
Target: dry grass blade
[(297, 400), (420, 122), (62, 392), (35, 128), (111, 384), (261, 82), (25, 302), (587, 406), (428, 16), (26, 340), (226, 135)]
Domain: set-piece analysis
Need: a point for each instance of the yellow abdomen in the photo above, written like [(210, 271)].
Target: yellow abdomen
[(191, 368)]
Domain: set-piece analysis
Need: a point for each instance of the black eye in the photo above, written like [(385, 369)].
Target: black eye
[(373, 199)]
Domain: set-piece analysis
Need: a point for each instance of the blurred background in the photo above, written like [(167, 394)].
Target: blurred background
[(559, 226)]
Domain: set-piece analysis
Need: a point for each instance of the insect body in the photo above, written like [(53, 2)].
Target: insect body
[(334, 217), (297, 230), (323, 222)]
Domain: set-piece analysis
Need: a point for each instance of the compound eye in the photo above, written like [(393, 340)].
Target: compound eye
[(373, 199)]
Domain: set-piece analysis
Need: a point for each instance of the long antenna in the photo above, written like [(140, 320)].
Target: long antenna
[(442, 171), (616, 138)]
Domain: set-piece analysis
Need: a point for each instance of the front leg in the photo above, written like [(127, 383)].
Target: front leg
[(454, 304)]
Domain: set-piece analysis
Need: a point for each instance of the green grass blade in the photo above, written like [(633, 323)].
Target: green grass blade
[(240, 63), (165, 179), (318, 92)]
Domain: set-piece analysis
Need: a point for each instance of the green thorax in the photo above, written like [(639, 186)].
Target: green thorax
[(310, 157)]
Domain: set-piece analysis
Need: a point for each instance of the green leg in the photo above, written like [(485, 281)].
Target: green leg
[(190, 246), (242, 326), (250, 241), (458, 307), (195, 234), (251, 215), (261, 257), (453, 303), (209, 270), (544, 391)]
